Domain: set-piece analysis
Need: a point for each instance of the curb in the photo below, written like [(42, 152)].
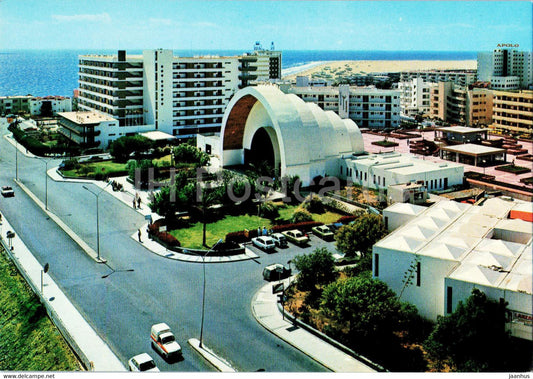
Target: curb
[(220, 364), (84, 246)]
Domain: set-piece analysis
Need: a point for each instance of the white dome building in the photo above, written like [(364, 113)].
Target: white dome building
[(297, 138)]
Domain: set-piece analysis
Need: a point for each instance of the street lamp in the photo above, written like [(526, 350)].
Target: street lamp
[(203, 292), (97, 195), (45, 181), (16, 160)]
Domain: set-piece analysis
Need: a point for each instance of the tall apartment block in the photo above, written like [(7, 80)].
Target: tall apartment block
[(470, 106), (461, 77), (512, 111), (506, 69), (414, 96), (182, 96), (367, 106)]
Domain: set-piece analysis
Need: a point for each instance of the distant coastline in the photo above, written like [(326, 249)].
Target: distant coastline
[(55, 72), (378, 66)]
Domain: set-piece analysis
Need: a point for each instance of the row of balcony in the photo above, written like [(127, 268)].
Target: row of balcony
[(212, 84), (197, 66)]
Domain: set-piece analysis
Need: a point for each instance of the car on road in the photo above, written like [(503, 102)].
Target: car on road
[(142, 362), (264, 243), (296, 237), (335, 226), (279, 240), (276, 272), (323, 232), (7, 191), (163, 341)]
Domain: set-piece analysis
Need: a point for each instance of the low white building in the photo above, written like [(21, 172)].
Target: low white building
[(399, 214), (55, 104), (94, 129), (379, 171), (435, 260)]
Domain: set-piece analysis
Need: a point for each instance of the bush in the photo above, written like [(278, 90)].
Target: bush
[(70, 164), (165, 238), (314, 204), (268, 210), (301, 215)]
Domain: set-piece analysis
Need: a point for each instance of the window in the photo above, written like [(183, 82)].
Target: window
[(449, 300), (376, 265)]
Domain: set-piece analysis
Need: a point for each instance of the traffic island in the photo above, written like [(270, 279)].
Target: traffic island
[(217, 362)]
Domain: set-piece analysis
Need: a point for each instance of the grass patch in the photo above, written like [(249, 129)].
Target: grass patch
[(29, 341), (514, 169), (385, 143), (191, 237), (92, 168)]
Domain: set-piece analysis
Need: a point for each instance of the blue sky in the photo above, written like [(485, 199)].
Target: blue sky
[(292, 25)]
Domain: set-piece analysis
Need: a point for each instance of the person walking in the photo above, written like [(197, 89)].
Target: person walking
[(139, 235), (139, 202), (134, 203)]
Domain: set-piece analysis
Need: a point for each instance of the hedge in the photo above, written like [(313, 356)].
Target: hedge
[(164, 238), (346, 219), (240, 236)]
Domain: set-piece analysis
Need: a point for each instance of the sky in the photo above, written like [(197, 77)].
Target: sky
[(291, 25)]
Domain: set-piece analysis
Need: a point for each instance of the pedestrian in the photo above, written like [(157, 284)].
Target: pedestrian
[(258, 231), (264, 231), (134, 204), (139, 235), (139, 202)]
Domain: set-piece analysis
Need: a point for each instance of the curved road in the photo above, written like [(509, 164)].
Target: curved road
[(122, 306)]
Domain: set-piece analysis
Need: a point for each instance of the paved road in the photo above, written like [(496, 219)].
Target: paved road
[(122, 306)]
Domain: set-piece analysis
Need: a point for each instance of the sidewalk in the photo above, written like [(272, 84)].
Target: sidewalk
[(266, 312), (92, 350)]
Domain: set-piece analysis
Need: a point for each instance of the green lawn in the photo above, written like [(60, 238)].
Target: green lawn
[(192, 237), (29, 341), (105, 167)]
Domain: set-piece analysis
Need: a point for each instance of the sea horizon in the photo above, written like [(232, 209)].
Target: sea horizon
[(44, 72)]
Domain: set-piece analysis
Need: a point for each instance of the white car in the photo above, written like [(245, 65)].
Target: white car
[(142, 362), (7, 191), (279, 240), (163, 341), (265, 243)]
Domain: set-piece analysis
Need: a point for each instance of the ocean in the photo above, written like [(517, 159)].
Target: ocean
[(55, 72)]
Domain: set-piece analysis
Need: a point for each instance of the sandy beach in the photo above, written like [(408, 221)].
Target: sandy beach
[(366, 67)]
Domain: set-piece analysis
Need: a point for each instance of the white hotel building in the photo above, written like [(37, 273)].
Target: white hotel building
[(368, 107), (181, 96), (441, 253), (506, 69)]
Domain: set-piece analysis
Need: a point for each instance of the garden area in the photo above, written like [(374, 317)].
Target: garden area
[(385, 143), (513, 169)]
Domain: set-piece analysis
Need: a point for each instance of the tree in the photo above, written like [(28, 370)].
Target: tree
[(473, 338), (301, 215), (361, 235), (316, 269), (186, 153), (123, 147)]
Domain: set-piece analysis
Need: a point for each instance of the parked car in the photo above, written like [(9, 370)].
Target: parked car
[(279, 240), (142, 362), (7, 191), (341, 259), (276, 272), (265, 243), (296, 237), (163, 341), (335, 226), (323, 232)]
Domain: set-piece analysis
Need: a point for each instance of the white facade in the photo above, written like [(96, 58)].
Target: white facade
[(57, 104), (414, 96), (181, 96), (461, 77), (496, 65), (399, 214), (379, 171), (296, 130), (367, 107), (451, 248)]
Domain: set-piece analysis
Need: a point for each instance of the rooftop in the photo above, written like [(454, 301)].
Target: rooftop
[(461, 130), (157, 135), (473, 149), (86, 117)]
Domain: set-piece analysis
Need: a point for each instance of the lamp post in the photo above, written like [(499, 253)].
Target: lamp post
[(97, 195), (45, 181), (16, 160), (203, 292)]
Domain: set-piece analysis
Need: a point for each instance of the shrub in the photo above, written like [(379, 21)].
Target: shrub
[(314, 204), (70, 164), (268, 210), (301, 215)]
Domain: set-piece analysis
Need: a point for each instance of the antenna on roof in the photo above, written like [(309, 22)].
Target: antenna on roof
[(272, 46)]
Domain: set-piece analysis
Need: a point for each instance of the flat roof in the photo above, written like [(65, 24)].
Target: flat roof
[(157, 135), (90, 117), (473, 149), (461, 129)]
